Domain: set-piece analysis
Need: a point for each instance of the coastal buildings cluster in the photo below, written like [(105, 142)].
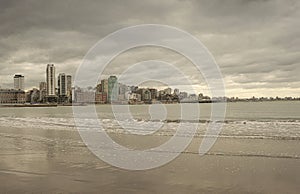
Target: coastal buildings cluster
[(59, 90), (111, 91), (49, 91)]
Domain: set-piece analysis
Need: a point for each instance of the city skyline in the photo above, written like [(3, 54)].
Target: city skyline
[(56, 85)]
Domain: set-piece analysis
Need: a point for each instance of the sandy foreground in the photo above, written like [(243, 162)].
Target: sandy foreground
[(58, 162)]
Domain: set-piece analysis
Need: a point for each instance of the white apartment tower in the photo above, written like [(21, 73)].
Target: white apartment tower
[(50, 79), (19, 82)]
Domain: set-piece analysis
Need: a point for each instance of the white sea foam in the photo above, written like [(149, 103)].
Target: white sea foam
[(276, 129)]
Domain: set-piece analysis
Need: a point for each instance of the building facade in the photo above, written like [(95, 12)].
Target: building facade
[(154, 93), (43, 91), (11, 96), (62, 84), (19, 82), (104, 85), (113, 89), (50, 80), (62, 88), (33, 96), (69, 88), (104, 89), (84, 96)]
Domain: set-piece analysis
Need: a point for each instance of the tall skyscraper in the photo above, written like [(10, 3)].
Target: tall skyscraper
[(19, 82), (113, 89), (50, 79), (62, 85), (69, 85), (69, 88), (64, 88)]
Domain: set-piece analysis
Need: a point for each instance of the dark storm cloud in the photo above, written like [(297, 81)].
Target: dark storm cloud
[(255, 42)]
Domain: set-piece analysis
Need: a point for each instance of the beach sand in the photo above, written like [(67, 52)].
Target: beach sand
[(58, 162)]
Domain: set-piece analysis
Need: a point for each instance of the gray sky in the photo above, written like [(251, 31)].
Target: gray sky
[(256, 43)]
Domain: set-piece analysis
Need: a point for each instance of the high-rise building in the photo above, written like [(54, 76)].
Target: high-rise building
[(113, 89), (69, 86), (123, 89), (104, 89), (50, 79), (43, 91), (62, 85), (19, 82), (64, 88), (104, 85)]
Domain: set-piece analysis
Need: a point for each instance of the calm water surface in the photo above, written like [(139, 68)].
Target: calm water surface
[(258, 151)]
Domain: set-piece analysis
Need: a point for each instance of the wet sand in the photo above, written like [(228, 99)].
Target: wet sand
[(34, 161)]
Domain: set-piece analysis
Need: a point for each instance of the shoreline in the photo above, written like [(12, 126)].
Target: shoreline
[(86, 104), (28, 105)]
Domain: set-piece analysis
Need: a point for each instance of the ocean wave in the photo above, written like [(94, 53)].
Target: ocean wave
[(242, 129)]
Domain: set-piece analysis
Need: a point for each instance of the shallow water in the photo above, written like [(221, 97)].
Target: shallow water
[(257, 151)]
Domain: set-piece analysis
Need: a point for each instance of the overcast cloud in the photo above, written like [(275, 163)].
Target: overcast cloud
[(255, 42)]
